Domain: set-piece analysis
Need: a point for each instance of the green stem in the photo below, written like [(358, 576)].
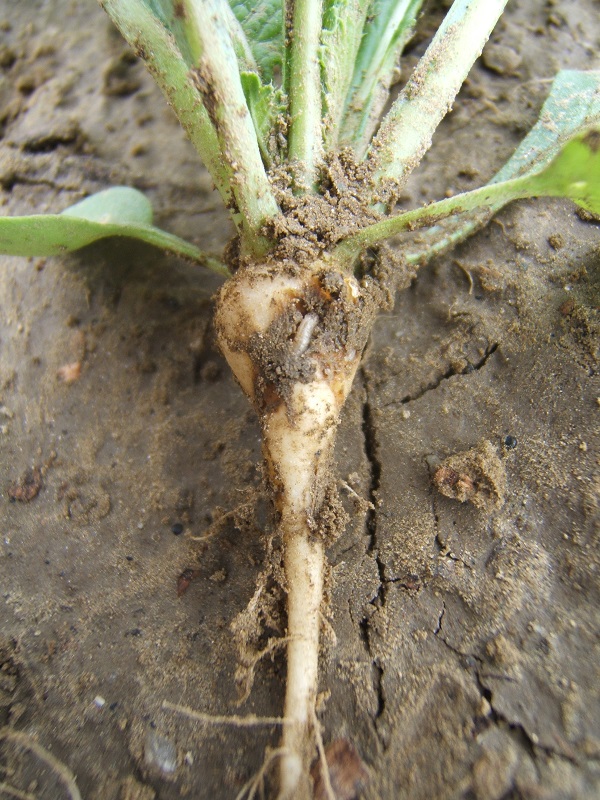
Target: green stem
[(406, 132), (189, 23), (491, 196), (218, 79), (305, 139), (152, 42), (437, 239), (173, 244)]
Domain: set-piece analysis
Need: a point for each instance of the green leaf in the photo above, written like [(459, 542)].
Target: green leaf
[(574, 173), (119, 211), (262, 23), (266, 109), (572, 105), (387, 30)]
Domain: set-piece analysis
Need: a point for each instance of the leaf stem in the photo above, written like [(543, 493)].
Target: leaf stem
[(218, 80), (406, 132), (152, 42), (492, 196), (241, 47), (305, 139), (179, 247)]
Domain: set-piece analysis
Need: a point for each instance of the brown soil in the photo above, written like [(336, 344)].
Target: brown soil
[(465, 657)]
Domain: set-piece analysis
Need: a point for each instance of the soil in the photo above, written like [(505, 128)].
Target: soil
[(463, 648)]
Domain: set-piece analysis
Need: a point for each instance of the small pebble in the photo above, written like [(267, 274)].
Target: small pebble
[(510, 442), (69, 373), (501, 59), (177, 528), (160, 752)]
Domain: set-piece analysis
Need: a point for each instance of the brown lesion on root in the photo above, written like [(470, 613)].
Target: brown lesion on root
[(341, 328)]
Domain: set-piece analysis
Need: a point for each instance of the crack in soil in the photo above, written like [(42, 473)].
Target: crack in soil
[(371, 448), (8, 182), (516, 730), (473, 663), (438, 627), (378, 601), (450, 373), (376, 678), (444, 551)]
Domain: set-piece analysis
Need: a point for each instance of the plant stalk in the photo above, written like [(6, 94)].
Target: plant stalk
[(149, 39), (218, 80), (383, 40), (305, 139), (490, 197), (343, 29), (406, 132)]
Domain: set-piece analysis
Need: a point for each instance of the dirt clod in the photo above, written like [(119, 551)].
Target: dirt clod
[(477, 476), (119, 80), (27, 487), (347, 773)]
